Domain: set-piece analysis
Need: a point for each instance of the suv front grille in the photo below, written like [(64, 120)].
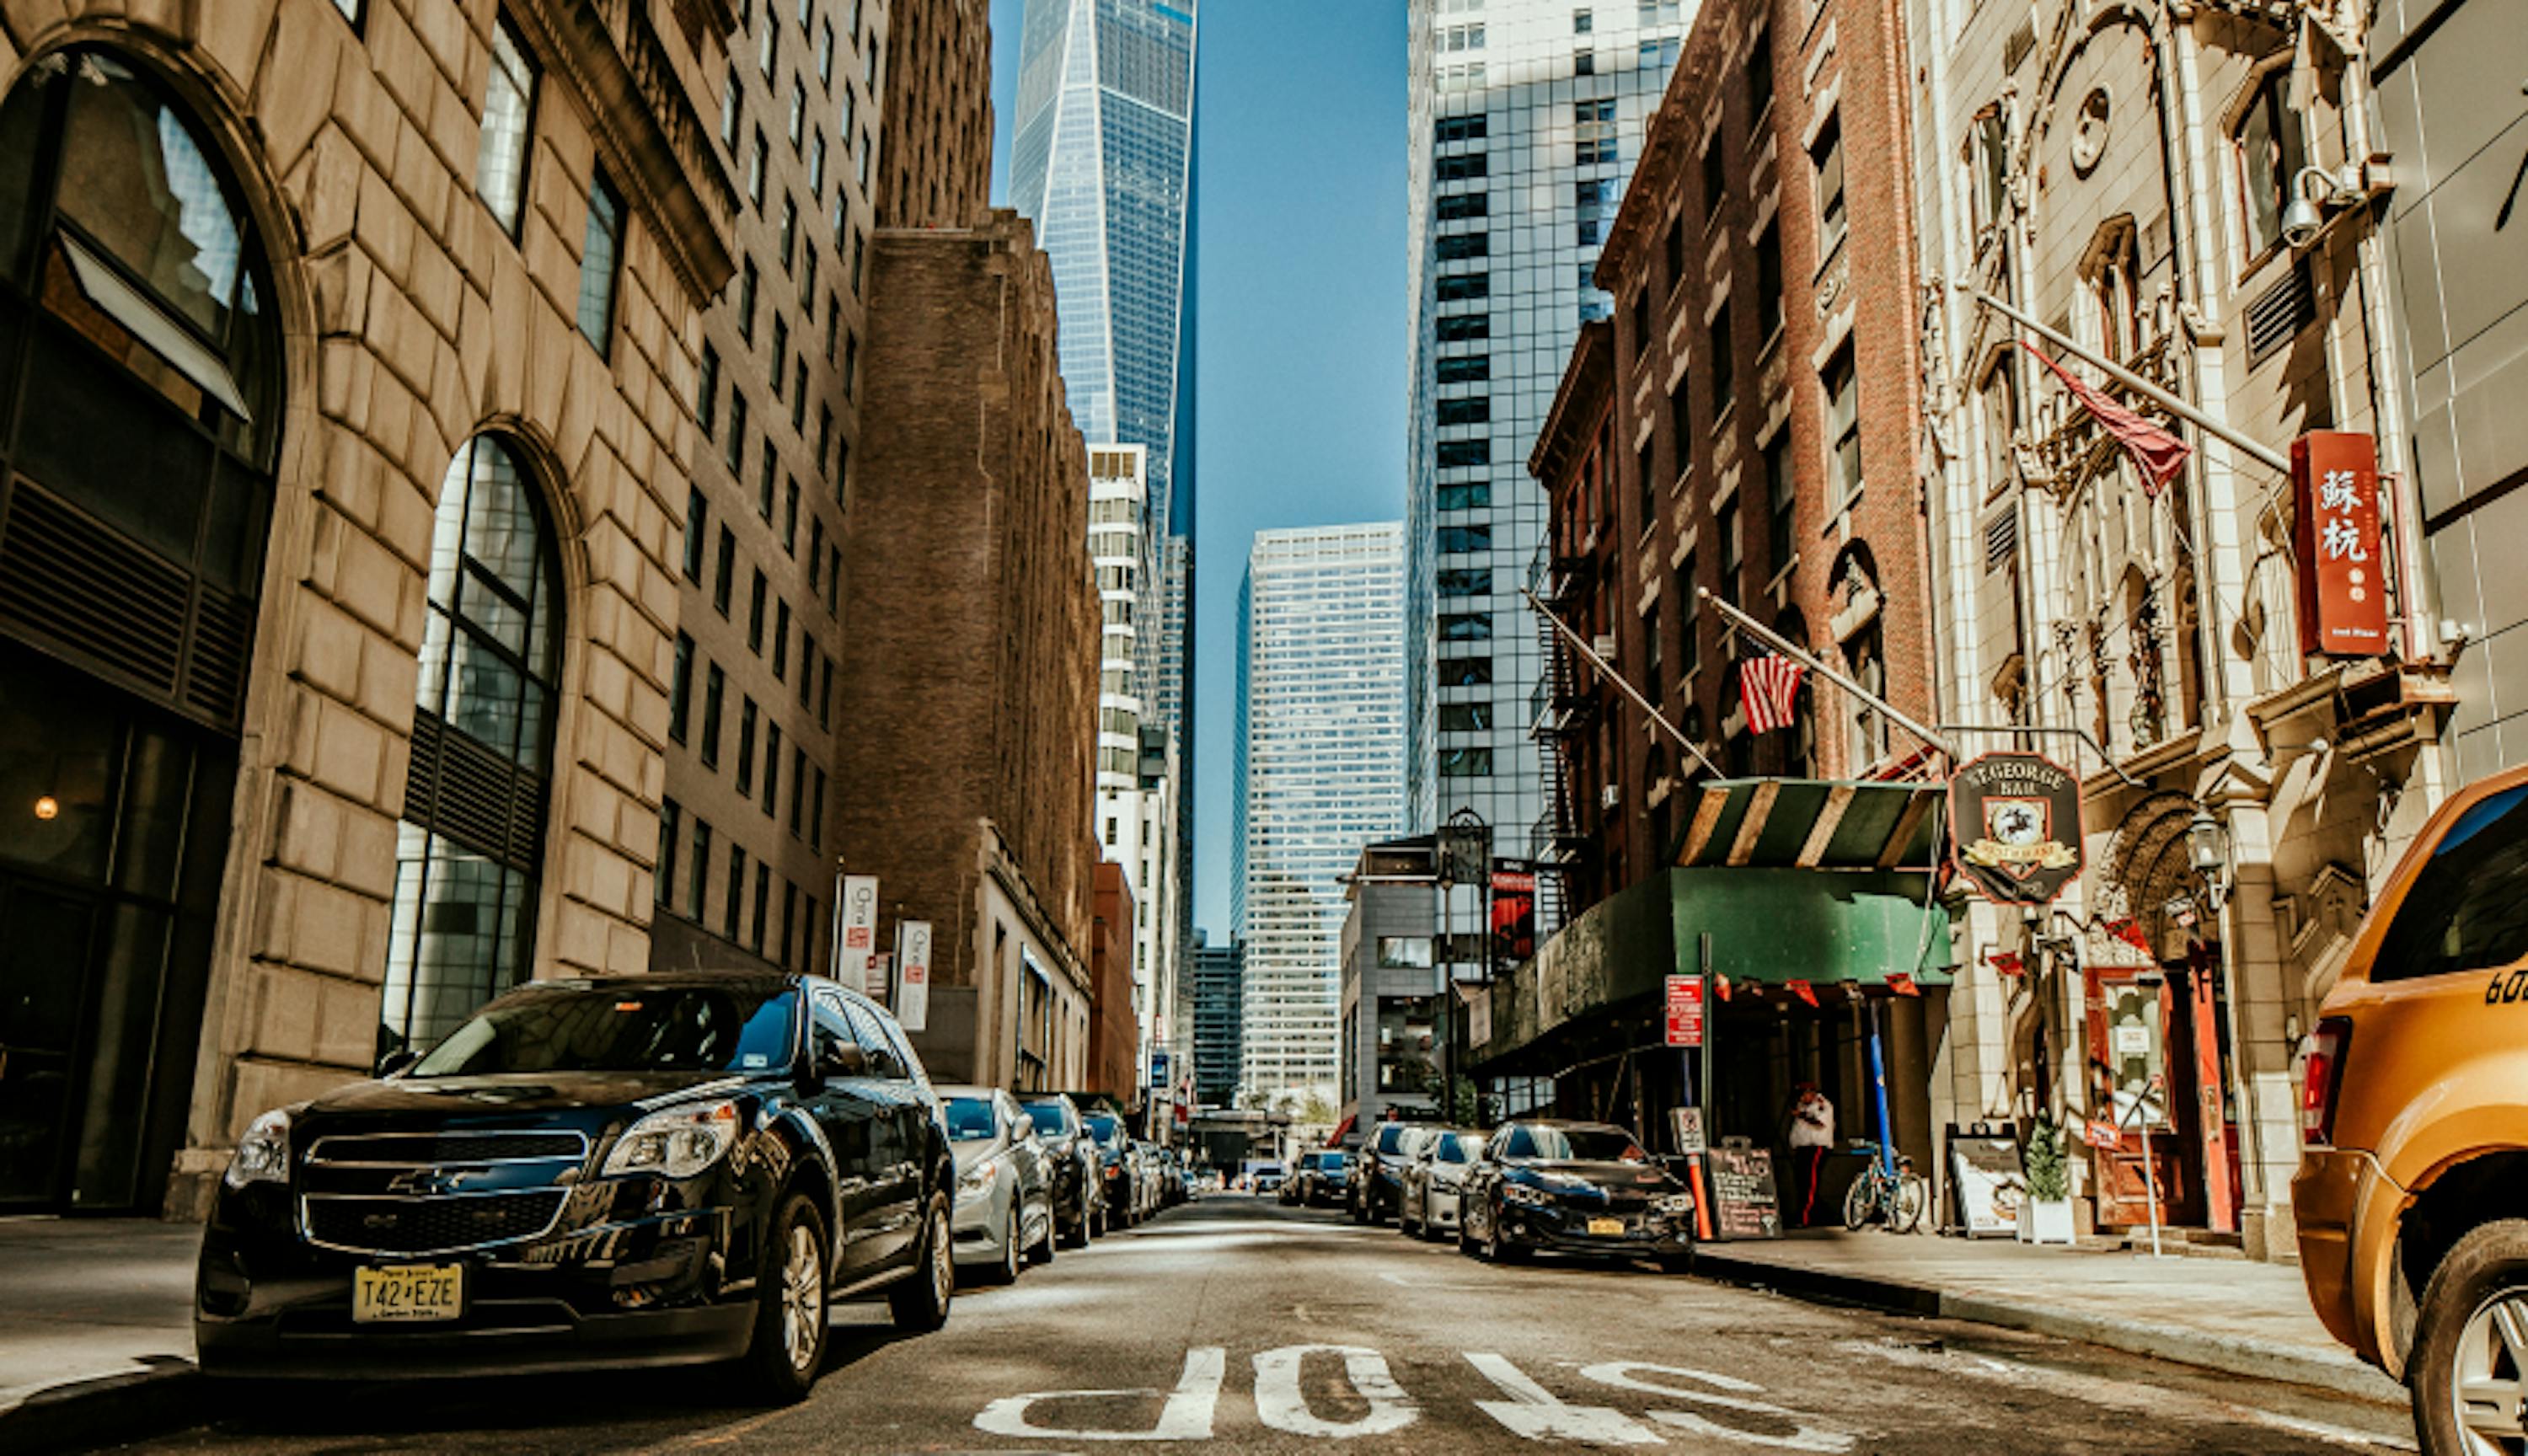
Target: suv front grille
[(429, 1226), (420, 1149)]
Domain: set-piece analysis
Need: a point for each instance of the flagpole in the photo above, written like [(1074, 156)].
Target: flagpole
[(2248, 444), (1626, 688), (1808, 661)]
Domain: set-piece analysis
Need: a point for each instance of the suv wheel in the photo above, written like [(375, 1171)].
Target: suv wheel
[(920, 1300), (1041, 1250), (2469, 1367), (788, 1349)]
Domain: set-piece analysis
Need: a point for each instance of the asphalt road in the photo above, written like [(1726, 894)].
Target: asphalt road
[(1237, 1326)]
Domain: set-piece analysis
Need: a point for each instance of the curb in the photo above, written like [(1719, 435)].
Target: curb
[(2231, 1354), (84, 1415)]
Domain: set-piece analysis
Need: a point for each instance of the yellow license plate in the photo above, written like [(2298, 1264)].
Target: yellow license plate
[(407, 1293), (1607, 1228)]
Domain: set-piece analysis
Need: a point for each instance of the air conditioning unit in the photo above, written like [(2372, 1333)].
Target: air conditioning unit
[(1610, 795), (1603, 644)]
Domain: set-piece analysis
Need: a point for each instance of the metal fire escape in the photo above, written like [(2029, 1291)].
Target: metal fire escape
[(1561, 706)]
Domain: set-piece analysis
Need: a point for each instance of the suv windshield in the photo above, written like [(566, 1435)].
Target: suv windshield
[(1574, 1145), (1104, 1128), (1049, 1121), (969, 1117), (1333, 1160), (619, 1028), (1460, 1147)]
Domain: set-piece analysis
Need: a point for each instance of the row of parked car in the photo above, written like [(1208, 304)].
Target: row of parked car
[(655, 1169), (1528, 1186)]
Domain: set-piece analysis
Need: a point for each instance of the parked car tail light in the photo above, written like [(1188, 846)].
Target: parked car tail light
[(2324, 1079)]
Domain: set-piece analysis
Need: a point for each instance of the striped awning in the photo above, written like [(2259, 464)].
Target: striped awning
[(1772, 823)]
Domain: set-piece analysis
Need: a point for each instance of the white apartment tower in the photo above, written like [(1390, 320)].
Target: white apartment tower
[(1320, 773), (1526, 119)]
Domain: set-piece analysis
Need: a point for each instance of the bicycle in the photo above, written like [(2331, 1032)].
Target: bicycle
[(1896, 1194)]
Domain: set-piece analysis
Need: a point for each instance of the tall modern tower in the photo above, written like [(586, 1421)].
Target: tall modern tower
[(1320, 773), (1527, 117), (1102, 162)]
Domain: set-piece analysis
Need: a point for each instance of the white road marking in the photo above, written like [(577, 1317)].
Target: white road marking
[(1186, 1416), (1282, 1406), (1532, 1411), (1620, 1374), (2342, 1436)]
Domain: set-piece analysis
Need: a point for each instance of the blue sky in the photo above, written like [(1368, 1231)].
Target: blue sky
[(1300, 289)]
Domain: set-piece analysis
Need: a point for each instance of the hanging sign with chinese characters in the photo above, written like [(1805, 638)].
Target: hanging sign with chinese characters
[(2342, 579), (2017, 820)]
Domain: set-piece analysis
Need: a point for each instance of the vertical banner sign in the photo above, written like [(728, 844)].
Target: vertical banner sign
[(2342, 582), (858, 956), (1513, 919), (1685, 1011), (913, 974)]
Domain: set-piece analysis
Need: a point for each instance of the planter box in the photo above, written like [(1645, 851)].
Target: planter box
[(2045, 1223)]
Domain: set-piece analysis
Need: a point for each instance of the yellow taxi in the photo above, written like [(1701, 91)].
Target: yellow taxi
[(2412, 1193)]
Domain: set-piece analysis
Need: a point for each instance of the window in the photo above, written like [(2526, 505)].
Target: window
[(780, 353), (1715, 179), (781, 642), (826, 54), (1827, 157), (1457, 206), (1991, 144), (746, 714), (755, 167), (1658, 55), (1404, 951), (769, 44), (851, 362), (1680, 422), (680, 689), (763, 489), (1453, 246), (817, 164), (789, 234), (771, 765), (1459, 128), (1585, 64), (1466, 581), (1733, 551), (1465, 369), (1843, 424), (1582, 21), (1465, 627), (748, 282), (599, 259), (1689, 633), (1779, 498), (671, 831), (1460, 540), (799, 394), (697, 889), (707, 394), (1465, 672), (1641, 322), (697, 531), (2464, 911), (1460, 763), (1460, 453), (733, 452), (1760, 73), (798, 112), (2272, 149), (1587, 233), (1865, 730), (1724, 369), (1594, 132), (1463, 328), (508, 123), (461, 925), (1476, 411), (1767, 287), (1469, 495), (728, 114), (1457, 287), (715, 697), (1646, 478), (1672, 251), (755, 604), (790, 518), (733, 914), (1465, 717), (1654, 684)]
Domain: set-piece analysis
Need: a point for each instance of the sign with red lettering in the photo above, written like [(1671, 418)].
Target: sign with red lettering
[(1685, 1011), (2100, 1133), (2343, 577)]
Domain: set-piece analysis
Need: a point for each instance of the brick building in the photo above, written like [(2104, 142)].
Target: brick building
[(745, 867), (935, 169), (969, 676), (1114, 1032), (352, 343)]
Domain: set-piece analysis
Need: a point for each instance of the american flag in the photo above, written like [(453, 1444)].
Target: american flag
[(1769, 686)]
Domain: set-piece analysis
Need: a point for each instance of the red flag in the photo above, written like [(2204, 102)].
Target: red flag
[(1721, 986), (1768, 687), (2007, 963), (1901, 984), (1802, 990), (2131, 933), (2155, 453)]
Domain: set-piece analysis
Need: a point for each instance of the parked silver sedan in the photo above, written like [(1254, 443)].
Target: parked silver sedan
[(1428, 1206), (1004, 1198)]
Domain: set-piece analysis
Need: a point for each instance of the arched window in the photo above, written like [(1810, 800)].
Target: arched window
[(473, 831)]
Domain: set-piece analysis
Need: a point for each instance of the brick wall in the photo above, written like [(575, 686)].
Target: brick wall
[(935, 169)]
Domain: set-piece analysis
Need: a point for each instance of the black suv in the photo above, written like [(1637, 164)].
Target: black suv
[(1376, 1186), (630, 1171), (1071, 1164)]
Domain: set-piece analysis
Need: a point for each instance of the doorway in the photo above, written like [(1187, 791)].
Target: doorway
[(2158, 1053)]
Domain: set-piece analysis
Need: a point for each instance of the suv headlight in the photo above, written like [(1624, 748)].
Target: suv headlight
[(1522, 1193), (676, 1143), (978, 1177), (263, 1154), (1674, 1206)]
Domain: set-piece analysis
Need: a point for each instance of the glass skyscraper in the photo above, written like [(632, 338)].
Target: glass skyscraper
[(1320, 773), (1526, 117), (1102, 163)]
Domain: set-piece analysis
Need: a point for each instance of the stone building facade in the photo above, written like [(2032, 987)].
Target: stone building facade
[(935, 169), (2122, 173), (335, 642), (747, 836), (969, 676)]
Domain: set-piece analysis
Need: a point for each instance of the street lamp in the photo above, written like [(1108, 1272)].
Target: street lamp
[(2207, 848)]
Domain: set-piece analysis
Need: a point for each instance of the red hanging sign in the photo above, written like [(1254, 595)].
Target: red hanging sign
[(2101, 1133), (1685, 1011), (2343, 575), (1803, 990), (2007, 963), (1901, 984)]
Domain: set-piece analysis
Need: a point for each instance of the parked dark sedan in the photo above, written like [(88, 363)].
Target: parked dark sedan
[(1377, 1180), (1071, 1156), (630, 1171), (1573, 1188), (1329, 1182)]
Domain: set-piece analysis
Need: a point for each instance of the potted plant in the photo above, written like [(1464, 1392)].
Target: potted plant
[(2046, 1215)]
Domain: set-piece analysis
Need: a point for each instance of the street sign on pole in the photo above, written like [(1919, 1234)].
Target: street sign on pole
[(1688, 1122), (913, 974), (858, 960), (1685, 1011)]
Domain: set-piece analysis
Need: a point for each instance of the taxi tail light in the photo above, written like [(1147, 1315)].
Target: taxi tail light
[(2323, 1078)]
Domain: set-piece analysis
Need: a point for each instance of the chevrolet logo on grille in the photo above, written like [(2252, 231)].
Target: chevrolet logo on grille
[(425, 1182)]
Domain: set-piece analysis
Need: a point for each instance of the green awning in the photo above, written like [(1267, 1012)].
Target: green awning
[(1811, 824)]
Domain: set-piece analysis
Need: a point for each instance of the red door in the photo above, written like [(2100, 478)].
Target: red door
[(2130, 1061)]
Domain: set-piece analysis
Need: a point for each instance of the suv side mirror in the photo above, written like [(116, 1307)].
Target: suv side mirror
[(397, 1061), (1023, 1127)]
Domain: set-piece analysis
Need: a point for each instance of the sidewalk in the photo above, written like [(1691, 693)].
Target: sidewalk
[(2220, 1314), (96, 1333)]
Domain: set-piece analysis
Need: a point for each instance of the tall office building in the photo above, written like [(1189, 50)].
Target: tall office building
[(1218, 1003), (1320, 773), (1526, 120), (1102, 163)]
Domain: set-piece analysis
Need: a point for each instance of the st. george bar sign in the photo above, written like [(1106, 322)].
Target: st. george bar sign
[(2016, 822)]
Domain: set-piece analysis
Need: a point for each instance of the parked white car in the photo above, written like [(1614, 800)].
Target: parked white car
[(1429, 1205), (1004, 1200)]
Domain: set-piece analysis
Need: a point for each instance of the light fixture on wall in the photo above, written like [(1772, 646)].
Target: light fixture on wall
[(47, 807), (2207, 850), (2305, 215)]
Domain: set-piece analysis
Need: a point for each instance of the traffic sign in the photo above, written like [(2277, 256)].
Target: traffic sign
[(1685, 1011)]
